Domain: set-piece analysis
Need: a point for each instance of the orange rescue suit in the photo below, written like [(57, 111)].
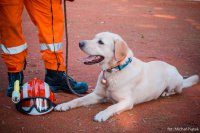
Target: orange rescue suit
[(12, 41)]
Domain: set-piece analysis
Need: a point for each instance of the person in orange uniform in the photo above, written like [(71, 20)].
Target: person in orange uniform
[(47, 15)]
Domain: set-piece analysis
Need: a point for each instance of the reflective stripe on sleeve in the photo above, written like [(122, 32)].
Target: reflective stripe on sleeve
[(13, 50), (52, 47)]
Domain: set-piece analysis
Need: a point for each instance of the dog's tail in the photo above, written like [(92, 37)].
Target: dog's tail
[(190, 81)]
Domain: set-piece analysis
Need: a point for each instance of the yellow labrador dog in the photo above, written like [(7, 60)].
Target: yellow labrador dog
[(125, 79)]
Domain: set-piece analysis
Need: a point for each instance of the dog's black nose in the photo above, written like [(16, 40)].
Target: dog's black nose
[(81, 44)]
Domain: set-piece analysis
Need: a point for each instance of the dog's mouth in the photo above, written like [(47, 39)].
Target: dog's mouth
[(92, 59)]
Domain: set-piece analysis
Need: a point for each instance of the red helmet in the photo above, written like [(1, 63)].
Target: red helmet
[(36, 98)]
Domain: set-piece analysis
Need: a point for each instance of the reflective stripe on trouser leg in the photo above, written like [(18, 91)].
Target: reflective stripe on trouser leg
[(52, 47), (11, 37), (14, 57), (41, 15), (13, 50), (14, 62), (50, 60)]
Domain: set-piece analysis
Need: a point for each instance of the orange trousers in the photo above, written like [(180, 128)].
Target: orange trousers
[(50, 32)]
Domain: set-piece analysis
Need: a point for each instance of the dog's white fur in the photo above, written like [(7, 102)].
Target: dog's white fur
[(137, 83)]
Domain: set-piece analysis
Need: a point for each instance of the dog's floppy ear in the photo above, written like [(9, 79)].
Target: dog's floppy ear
[(120, 50)]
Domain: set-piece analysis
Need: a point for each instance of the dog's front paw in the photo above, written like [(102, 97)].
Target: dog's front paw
[(62, 107), (101, 116)]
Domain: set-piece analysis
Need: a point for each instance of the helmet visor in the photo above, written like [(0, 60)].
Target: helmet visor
[(38, 105)]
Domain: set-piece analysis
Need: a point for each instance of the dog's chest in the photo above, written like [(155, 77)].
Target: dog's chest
[(109, 79), (112, 95), (112, 88)]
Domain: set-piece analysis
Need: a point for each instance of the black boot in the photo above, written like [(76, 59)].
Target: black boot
[(57, 80), (12, 77)]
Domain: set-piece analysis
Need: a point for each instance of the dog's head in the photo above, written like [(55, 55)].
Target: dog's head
[(106, 48)]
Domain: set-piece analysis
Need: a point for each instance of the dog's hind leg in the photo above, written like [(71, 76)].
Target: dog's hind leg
[(89, 99)]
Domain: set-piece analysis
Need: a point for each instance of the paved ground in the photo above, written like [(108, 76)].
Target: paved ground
[(155, 30)]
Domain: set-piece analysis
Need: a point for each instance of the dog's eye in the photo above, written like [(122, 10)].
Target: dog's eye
[(100, 42)]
